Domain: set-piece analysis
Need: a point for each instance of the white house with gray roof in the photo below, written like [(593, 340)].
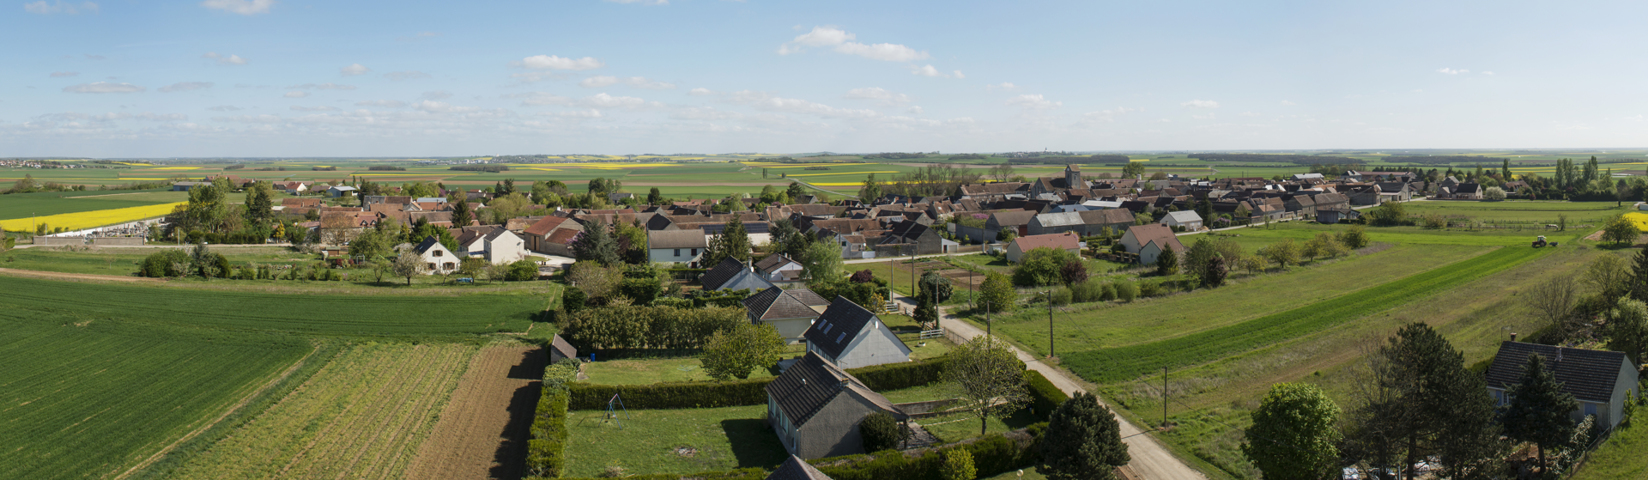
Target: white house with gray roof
[(850, 336), (815, 407)]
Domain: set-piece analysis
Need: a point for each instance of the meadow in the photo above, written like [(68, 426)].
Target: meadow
[(363, 415), (24, 205)]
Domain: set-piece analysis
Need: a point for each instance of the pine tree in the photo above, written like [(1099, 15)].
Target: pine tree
[(1639, 276), (596, 244), (461, 216), (1539, 410), (733, 242), (1082, 441), (1167, 263), (1436, 405)]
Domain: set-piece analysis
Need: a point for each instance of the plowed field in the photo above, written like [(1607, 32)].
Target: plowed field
[(484, 429)]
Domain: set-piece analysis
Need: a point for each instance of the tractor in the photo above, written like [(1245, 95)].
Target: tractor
[(1541, 242)]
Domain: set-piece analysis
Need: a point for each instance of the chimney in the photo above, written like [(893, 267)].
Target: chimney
[(843, 384), (1513, 336)]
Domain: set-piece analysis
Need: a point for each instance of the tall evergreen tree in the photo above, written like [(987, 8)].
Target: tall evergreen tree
[(1505, 170), (461, 215), (870, 191), (1082, 441), (654, 197), (1539, 410), (597, 245), (1639, 276), (733, 242), (1431, 399)]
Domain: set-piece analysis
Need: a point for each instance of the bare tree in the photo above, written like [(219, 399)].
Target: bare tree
[(989, 376), (1608, 274), (1553, 299), (408, 264), (1371, 422)]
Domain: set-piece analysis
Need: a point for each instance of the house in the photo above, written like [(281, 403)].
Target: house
[(472, 240), (1149, 241), (559, 350), (552, 235), (909, 237), (1330, 215), (849, 336), (1050, 223), (790, 311), (1186, 220), (503, 247), (1112, 220), (676, 246), (293, 187), (340, 191), (1394, 192), (1067, 241), (796, 469), (732, 274), (779, 268), (1018, 220), (815, 407), (436, 258), (1599, 380)]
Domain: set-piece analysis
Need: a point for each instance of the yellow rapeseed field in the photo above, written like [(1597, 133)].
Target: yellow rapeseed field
[(1639, 219), (839, 173), (95, 218)]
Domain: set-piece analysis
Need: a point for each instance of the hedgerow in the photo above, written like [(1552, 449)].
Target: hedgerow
[(643, 327)]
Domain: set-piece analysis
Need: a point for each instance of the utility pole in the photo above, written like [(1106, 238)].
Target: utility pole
[(1164, 397), (1049, 294)]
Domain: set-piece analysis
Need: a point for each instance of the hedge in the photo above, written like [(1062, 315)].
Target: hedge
[(712, 394), (1044, 396), (740, 474), (546, 451), (642, 327)]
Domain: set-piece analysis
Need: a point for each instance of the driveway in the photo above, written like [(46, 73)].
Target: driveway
[(1151, 460)]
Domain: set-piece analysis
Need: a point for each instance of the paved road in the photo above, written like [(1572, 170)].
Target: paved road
[(1151, 461)]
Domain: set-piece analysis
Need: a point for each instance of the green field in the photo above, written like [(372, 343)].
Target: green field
[(310, 315), (84, 395), (24, 205), (720, 438)]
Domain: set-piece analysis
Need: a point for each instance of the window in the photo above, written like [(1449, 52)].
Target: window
[(694, 252), (438, 253), (447, 266), (839, 337), (431, 266), (677, 252), (1590, 408), (827, 327)]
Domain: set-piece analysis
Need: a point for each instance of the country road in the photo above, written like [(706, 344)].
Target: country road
[(1151, 461)]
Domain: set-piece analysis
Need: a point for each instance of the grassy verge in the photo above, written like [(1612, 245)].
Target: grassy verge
[(1620, 457)]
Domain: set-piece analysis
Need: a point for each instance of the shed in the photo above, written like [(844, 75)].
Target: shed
[(559, 350)]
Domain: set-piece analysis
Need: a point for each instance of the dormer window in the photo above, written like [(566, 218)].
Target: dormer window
[(838, 338)]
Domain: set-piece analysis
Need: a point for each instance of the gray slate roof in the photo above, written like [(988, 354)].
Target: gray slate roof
[(692, 238), (775, 303), (1059, 219), (810, 384), (721, 272), (843, 316), (561, 345), (796, 469), (1588, 375)]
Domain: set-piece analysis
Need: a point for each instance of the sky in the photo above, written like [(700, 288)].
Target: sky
[(298, 78)]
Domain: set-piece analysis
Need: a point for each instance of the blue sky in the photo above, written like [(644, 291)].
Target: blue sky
[(253, 78)]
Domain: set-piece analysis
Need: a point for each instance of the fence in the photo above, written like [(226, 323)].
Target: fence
[(117, 241), (59, 241), (926, 334)]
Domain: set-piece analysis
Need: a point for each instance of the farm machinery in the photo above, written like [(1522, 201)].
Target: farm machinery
[(1541, 243)]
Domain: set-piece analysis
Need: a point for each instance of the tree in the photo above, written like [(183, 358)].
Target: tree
[(1167, 263), (1354, 238), (958, 465), (408, 264), (1214, 276), (1553, 299), (1609, 275), (1620, 231), (733, 242), (822, 261), (462, 216), (1628, 329), (989, 377), (870, 191), (926, 313), (597, 245), (655, 197), (1281, 253), (1294, 435), (1505, 170), (1133, 169), (882, 432), (1638, 286), (1007, 234), (996, 294), (472, 266), (260, 204), (1539, 410), (1430, 403), (1493, 194), (735, 352), (1082, 441), (1073, 272), (1042, 266), (1387, 215)]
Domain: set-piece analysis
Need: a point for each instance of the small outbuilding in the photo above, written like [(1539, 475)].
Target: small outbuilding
[(559, 350), (1187, 220)]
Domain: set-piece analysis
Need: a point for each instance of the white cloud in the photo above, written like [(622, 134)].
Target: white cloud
[(600, 81), (763, 101), (64, 74), (1109, 115), (530, 99), (699, 92), (642, 2), (222, 60), (1250, 114), (1450, 71), (243, 7), (1286, 103), (224, 108), (322, 86), (112, 116), (1636, 118), (381, 103), (296, 94), (552, 62), (1200, 104), (1034, 102), (185, 86), (103, 87), (355, 69), (407, 75), (1202, 117), (1489, 73), (437, 95), (878, 93), (1002, 86), (440, 107), (609, 101), (43, 8), (843, 43), (929, 71), (296, 108)]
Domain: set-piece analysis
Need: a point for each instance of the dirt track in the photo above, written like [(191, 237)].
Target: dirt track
[(484, 429), (77, 276)]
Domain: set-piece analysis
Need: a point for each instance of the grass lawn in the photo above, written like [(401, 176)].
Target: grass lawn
[(1535, 213), (1621, 457), (720, 439), (645, 371)]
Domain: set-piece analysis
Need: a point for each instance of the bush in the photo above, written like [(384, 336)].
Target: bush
[(641, 291), (892, 376), (958, 465), (862, 276), (164, 263), (1087, 291), (1126, 291), (1042, 266), (573, 300), (522, 270), (1061, 296), (1107, 292), (1149, 289), (644, 327), (1044, 396), (897, 376), (546, 451), (881, 432)]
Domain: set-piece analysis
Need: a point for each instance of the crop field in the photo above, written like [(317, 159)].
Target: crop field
[(24, 205), (1510, 212), (364, 415), (1107, 365), (313, 315), (87, 396)]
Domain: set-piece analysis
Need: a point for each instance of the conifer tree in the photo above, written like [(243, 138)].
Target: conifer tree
[(1082, 441), (1539, 410)]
